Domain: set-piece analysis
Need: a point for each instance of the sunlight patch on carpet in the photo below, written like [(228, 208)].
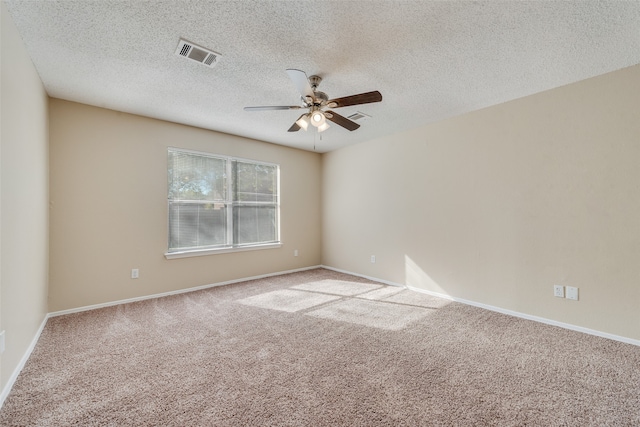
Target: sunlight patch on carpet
[(419, 299), (337, 287), (375, 314), (287, 300), (383, 293)]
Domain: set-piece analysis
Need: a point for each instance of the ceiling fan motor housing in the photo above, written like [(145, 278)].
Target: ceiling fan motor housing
[(320, 97)]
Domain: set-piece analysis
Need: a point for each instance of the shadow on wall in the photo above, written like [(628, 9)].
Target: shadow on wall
[(367, 304)]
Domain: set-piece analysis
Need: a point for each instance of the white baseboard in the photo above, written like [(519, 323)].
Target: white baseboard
[(9, 385), (375, 279), (180, 291), (499, 309)]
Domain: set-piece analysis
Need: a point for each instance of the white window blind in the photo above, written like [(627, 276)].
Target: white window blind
[(218, 202)]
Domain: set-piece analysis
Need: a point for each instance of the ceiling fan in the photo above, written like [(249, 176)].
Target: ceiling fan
[(319, 104)]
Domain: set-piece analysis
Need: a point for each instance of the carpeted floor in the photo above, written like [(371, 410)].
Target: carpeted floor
[(319, 348)]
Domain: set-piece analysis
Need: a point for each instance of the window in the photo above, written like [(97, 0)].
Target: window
[(219, 203)]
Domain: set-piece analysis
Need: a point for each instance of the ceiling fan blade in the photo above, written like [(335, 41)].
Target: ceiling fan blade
[(300, 79), (362, 98), (341, 120), (274, 107), (295, 127)]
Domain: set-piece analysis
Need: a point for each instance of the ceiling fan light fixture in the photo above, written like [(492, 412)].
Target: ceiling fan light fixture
[(324, 126), (303, 122), (317, 118)]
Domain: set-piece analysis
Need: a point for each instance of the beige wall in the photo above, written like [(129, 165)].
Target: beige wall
[(498, 205), (23, 200), (109, 207)]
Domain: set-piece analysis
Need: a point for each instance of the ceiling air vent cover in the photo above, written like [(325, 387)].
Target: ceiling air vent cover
[(359, 116), (197, 53)]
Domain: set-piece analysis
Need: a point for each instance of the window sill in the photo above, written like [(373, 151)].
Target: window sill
[(225, 250)]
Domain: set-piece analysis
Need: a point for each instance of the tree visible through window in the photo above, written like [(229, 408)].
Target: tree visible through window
[(220, 202)]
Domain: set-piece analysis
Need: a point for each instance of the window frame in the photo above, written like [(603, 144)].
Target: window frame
[(231, 204)]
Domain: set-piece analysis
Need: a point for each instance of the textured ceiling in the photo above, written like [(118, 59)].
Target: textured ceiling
[(430, 60)]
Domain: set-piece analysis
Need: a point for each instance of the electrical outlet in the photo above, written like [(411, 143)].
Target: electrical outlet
[(2, 342), (135, 273), (373, 259), (295, 252), (572, 293), (558, 291)]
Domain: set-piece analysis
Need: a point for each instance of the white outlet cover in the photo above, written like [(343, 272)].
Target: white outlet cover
[(572, 293), (558, 291)]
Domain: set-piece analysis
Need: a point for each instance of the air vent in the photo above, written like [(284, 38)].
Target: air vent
[(358, 116), (197, 53)]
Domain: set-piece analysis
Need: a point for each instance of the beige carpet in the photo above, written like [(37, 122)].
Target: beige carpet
[(319, 348)]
